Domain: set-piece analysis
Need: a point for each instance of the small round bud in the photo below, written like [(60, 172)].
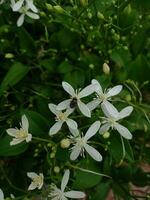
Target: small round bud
[(100, 15), (106, 135), (56, 169), (52, 155), (9, 55), (42, 14), (106, 68), (112, 31), (36, 150), (116, 37), (58, 9), (84, 3), (91, 66), (128, 97), (89, 15), (49, 6), (128, 9), (65, 143), (125, 48), (82, 46)]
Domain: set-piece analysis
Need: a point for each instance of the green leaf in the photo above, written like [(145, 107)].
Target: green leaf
[(38, 125), (7, 150), (15, 74), (49, 64), (75, 78), (116, 149), (65, 67), (86, 179), (101, 191), (26, 42)]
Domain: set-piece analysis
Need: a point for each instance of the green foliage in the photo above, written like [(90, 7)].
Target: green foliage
[(70, 42)]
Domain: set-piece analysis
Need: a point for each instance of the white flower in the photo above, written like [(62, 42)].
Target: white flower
[(24, 10), (37, 180), (103, 96), (1, 194), (60, 194), (61, 117), (75, 99), (19, 4), (2, 1), (21, 134), (81, 143), (113, 116)]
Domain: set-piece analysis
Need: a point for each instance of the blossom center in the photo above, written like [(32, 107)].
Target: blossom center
[(61, 116), (38, 180), (103, 97), (22, 133)]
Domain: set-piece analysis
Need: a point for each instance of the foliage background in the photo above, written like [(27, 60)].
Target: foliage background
[(72, 43)]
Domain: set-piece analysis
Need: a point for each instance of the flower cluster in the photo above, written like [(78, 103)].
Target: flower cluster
[(103, 98), (80, 141)]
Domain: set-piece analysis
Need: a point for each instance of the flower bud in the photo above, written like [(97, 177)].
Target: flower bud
[(56, 169), (84, 3), (58, 9), (91, 66), (128, 97), (90, 15), (128, 9), (65, 143), (49, 6), (106, 69), (9, 55), (100, 15), (52, 155), (106, 135)]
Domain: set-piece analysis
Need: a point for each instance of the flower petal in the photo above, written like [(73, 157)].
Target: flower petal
[(75, 132), (68, 88), (92, 130), (17, 5), (93, 104), (32, 186), (75, 194), (29, 138), (93, 152), (98, 88), (20, 20), (87, 91), (32, 175), (1, 195), (69, 111), (64, 104), (31, 5), (84, 109), (24, 123), (53, 108), (12, 132), (104, 128), (109, 110), (55, 128), (32, 15), (125, 112), (16, 141), (75, 151), (123, 131), (72, 124), (65, 179), (114, 91)]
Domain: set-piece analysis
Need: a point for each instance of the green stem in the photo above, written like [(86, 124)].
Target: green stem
[(42, 139), (88, 171)]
